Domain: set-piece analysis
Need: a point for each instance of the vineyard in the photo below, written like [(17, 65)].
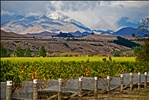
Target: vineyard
[(67, 59), (22, 69)]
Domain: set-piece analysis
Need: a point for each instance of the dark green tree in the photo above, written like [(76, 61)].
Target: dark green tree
[(136, 50), (19, 52), (27, 52), (4, 51), (143, 54), (42, 51)]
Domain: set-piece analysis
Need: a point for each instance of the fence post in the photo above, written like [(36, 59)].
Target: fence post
[(108, 84), (59, 89), (145, 80), (80, 89), (121, 83), (131, 82), (35, 92), (9, 90), (139, 80), (96, 88)]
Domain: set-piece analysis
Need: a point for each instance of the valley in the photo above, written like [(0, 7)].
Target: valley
[(91, 45)]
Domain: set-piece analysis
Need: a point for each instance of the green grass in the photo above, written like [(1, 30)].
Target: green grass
[(66, 59)]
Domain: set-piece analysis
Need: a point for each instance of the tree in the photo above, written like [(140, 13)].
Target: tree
[(19, 51), (42, 51), (27, 52), (144, 25), (92, 33), (136, 50), (4, 51), (133, 35), (143, 54)]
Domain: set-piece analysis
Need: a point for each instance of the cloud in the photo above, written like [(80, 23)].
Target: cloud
[(87, 12), (67, 6), (24, 7), (6, 13)]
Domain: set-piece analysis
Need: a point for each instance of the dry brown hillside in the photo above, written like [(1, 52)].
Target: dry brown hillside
[(11, 34), (89, 45)]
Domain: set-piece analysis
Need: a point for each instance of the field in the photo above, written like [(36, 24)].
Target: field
[(67, 59), (21, 69)]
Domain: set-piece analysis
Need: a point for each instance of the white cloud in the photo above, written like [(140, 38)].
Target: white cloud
[(6, 13), (87, 12)]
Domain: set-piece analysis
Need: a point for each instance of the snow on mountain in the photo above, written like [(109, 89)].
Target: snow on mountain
[(54, 22), (58, 16), (102, 25), (125, 22), (6, 18), (65, 18)]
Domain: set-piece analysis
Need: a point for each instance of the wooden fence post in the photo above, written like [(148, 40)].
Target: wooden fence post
[(139, 80), (9, 90), (108, 84), (96, 88), (145, 80), (35, 91), (121, 83), (80, 89), (59, 89), (131, 82)]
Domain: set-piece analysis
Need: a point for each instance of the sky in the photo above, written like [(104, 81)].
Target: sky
[(89, 13)]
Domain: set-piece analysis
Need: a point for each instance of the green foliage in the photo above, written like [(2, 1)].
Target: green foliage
[(42, 51), (4, 52), (22, 71), (143, 54), (19, 52), (125, 42), (27, 52), (136, 50)]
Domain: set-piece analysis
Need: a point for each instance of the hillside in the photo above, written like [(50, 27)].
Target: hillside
[(88, 45), (11, 35), (129, 31)]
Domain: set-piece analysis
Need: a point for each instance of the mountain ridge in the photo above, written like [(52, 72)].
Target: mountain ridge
[(42, 23), (58, 22)]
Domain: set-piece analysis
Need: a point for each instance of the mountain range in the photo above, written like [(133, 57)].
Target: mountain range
[(34, 24), (57, 22)]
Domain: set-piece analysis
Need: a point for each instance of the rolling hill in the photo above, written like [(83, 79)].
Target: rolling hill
[(11, 35)]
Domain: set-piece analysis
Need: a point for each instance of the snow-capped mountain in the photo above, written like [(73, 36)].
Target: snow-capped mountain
[(6, 18), (58, 16), (54, 22), (125, 22), (65, 18), (102, 25)]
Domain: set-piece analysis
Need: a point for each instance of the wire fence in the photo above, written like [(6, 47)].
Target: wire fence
[(77, 87)]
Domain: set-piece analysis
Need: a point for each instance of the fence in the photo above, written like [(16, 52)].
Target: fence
[(38, 89)]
